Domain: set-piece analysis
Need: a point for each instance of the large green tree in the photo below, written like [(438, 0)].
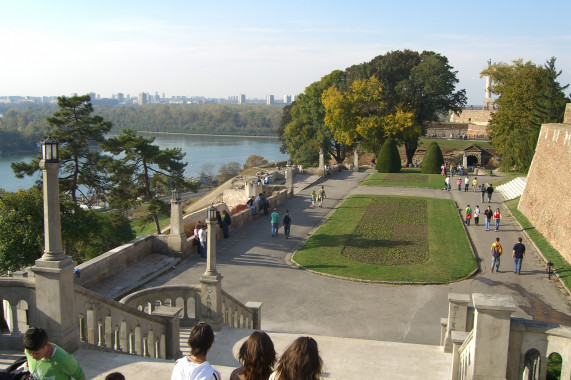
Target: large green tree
[(85, 233), (528, 96), (142, 162), (421, 83), (82, 172), (417, 88), (306, 133)]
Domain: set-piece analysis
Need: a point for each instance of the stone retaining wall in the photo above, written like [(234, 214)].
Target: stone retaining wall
[(546, 200), (114, 261)]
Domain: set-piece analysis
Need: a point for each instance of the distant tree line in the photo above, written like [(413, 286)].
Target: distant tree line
[(22, 125)]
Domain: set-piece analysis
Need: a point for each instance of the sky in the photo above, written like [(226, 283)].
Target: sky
[(225, 48)]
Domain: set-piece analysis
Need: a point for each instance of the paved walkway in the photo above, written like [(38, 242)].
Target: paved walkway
[(255, 268)]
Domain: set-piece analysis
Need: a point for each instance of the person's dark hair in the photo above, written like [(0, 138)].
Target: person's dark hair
[(35, 338), (519, 239), (300, 361), (258, 356), (115, 376), (200, 339)]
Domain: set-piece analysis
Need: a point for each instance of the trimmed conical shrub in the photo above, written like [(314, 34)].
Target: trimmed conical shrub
[(388, 160), (433, 160)]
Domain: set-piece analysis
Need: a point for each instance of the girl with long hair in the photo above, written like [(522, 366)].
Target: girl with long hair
[(257, 356), (300, 361)]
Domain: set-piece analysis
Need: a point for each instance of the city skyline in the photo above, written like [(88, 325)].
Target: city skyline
[(259, 48)]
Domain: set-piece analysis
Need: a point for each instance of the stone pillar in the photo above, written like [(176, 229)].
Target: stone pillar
[(491, 335), (177, 238), (172, 315), (458, 338), (256, 308), (465, 162), (211, 280), (289, 180), (356, 160), (54, 270), (457, 311), (321, 170)]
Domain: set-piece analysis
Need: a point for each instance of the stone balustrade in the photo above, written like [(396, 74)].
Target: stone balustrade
[(188, 299), (102, 322), (500, 347), (18, 303)]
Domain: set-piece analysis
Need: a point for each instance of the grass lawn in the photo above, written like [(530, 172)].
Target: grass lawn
[(407, 177), (386, 238), (562, 267), (149, 227)]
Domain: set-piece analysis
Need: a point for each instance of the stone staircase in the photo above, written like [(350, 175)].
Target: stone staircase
[(512, 189), (343, 358)]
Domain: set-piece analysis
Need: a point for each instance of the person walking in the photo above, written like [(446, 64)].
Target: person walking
[(459, 183), (517, 255), (313, 196), (287, 223), (321, 196), (490, 190), (466, 184), (488, 213), (447, 184), (202, 235), (275, 221), (477, 215), (468, 215), (497, 217), (475, 184), (483, 191), (496, 253), (226, 222)]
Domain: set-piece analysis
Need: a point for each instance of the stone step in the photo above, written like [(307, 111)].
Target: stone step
[(512, 189), (9, 357)]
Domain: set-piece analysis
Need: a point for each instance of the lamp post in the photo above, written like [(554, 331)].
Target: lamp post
[(54, 278), (50, 165)]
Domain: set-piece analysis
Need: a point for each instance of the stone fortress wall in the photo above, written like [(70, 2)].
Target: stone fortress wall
[(546, 200)]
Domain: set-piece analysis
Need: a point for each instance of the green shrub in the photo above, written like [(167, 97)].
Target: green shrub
[(388, 160), (433, 160)]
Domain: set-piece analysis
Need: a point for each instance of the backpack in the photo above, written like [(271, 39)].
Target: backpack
[(497, 250), (287, 220), (15, 370)]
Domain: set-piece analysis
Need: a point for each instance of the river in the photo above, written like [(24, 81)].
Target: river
[(200, 150)]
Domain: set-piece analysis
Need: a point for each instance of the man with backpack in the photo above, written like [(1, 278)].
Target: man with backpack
[(496, 253), (287, 223)]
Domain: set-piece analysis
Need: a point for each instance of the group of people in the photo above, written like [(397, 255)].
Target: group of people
[(319, 197), (470, 214), (257, 356), (518, 252), (275, 222), (260, 204)]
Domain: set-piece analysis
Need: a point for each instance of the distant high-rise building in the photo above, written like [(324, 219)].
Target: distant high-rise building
[(120, 97), (143, 98), (241, 99), (287, 99), (269, 99)]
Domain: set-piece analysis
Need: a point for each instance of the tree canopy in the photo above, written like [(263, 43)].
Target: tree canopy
[(76, 129), (394, 95), (528, 95), (85, 233), (142, 163)]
